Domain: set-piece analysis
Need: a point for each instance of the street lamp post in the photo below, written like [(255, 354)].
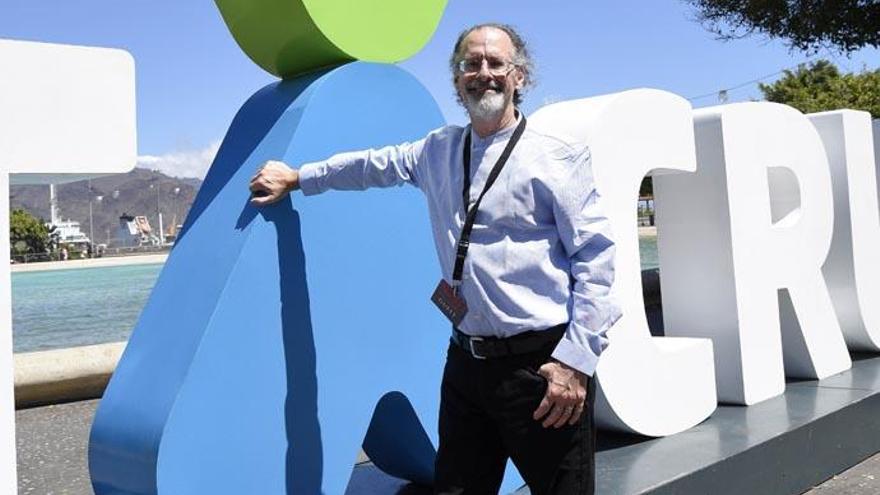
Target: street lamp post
[(114, 195), (159, 210), (100, 200), (91, 224), (176, 217)]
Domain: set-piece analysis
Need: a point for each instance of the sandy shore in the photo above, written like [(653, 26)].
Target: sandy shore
[(648, 231), (145, 259)]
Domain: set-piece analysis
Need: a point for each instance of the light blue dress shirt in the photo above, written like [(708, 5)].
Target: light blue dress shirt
[(541, 252)]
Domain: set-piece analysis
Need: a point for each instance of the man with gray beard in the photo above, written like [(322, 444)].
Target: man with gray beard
[(527, 262)]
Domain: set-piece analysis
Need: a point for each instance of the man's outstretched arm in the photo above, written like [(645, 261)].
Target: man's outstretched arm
[(354, 171)]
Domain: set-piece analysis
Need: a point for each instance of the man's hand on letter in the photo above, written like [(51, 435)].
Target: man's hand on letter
[(272, 182), (565, 397)]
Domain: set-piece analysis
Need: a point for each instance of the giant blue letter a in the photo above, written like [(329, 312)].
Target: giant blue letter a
[(272, 334)]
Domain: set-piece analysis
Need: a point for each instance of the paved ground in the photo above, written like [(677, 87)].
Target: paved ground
[(52, 455), (861, 479), (51, 445)]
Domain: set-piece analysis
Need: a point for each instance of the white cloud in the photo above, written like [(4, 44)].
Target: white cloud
[(189, 163)]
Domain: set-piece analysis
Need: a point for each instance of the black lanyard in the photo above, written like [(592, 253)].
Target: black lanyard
[(471, 216)]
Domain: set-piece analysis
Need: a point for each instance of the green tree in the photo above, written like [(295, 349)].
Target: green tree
[(821, 87), (846, 25), (646, 189), (27, 233)]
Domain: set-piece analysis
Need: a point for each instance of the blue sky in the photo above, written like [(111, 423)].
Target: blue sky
[(192, 77)]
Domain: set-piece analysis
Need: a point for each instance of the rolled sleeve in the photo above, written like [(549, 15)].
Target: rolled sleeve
[(308, 179), (594, 309)]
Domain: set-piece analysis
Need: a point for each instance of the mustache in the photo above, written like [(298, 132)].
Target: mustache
[(484, 85)]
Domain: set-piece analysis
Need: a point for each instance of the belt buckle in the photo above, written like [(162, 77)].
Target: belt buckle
[(474, 352)]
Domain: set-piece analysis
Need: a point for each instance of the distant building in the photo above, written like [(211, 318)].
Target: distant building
[(68, 232), (135, 231), (171, 233)]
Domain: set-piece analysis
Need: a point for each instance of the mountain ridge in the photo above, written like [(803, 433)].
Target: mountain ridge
[(133, 193)]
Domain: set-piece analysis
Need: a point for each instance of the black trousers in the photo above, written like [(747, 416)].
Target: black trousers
[(486, 409)]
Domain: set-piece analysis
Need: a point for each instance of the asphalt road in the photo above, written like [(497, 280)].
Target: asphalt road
[(52, 456)]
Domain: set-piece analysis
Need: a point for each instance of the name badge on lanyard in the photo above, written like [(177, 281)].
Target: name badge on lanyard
[(447, 296), (450, 303)]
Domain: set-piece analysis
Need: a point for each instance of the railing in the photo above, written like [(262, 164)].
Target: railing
[(106, 253), (127, 251)]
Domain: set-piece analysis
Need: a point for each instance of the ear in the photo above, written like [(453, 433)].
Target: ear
[(519, 77)]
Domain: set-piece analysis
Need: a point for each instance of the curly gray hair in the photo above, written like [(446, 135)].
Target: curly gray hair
[(522, 58)]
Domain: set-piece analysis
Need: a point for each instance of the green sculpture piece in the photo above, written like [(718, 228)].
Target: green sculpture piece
[(290, 37)]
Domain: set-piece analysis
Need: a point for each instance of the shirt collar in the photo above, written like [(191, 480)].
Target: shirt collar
[(502, 135)]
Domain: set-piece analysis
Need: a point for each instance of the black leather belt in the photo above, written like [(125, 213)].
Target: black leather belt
[(495, 347)]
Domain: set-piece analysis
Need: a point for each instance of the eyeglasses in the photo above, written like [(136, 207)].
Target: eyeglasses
[(497, 67)]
